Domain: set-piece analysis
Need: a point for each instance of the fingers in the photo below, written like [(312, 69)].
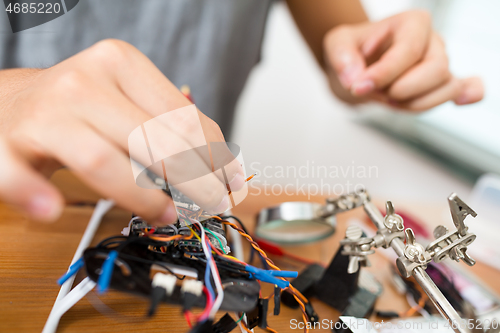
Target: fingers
[(154, 145), (136, 74), (21, 186), (472, 91), (429, 74), (403, 63), (152, 92), (469, 89), (410, 35), (106, 169), (378, 40), (342, 48), (448, 91)]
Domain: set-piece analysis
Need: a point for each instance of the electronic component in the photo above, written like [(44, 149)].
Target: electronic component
[(151, 260), (191, 290), (165, 281), (148, 260), (277, 300), (225, 325)]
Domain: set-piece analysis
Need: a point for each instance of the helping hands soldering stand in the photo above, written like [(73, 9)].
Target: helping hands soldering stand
[(413, 258)]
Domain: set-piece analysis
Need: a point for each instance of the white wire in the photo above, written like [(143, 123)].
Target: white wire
[(241, 325), (237, 247), (220, 291), (213, 268), (102, 207), (76, 294)]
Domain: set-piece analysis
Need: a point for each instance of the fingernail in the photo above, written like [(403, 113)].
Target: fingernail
[(362, 88), (169, 215), (237, 182), (45, 207), (223, 206), (348, 75)]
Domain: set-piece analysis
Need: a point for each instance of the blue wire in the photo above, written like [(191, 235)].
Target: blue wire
[(106, 272), (71, 271), (208, 283)]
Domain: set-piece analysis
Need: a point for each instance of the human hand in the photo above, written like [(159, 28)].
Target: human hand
[(400, 61), (80, 114)]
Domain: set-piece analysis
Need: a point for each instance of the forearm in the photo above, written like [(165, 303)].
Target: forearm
[(315, 18)]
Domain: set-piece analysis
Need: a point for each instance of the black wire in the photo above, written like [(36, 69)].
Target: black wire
[(101, 243)]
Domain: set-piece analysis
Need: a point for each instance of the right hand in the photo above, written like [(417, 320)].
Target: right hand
[(79, 113)]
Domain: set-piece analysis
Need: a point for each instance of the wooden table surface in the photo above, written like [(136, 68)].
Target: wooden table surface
[(33, 256)]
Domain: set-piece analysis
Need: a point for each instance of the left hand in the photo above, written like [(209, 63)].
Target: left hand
[(400, 61)]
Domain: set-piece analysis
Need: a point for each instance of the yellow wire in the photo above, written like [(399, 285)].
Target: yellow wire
[(231, 257), (196, 235)]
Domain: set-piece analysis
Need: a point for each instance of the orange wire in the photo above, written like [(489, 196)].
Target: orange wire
[(246, 180), (245, 327), (161, 238), (250, 177)]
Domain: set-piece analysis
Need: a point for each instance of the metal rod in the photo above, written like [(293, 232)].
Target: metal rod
[(440, 302), (374, 214), (423, 279)]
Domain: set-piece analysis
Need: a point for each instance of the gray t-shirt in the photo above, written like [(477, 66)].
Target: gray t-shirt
[(210, 45)]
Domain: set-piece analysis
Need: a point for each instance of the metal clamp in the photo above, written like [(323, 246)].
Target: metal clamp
[(394, 228), (344, 203), (413, 257), (454, 244), (357, 248)]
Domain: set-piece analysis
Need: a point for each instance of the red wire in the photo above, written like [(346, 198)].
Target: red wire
[(186, 315), (208, 307), (209, 304), (273, 249)]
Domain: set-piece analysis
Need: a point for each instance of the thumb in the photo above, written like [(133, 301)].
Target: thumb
[(343, 54), (471, 91)]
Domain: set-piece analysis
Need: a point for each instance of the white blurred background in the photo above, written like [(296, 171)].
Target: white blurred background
[(287, 116)]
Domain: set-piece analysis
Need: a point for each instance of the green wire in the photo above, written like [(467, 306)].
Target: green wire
[(220, 243), (240, 318)]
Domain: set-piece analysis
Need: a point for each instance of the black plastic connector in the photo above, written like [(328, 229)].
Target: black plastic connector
[(157, 294), (253, 317), (204, 327), (225, 325), (277, 301), (311, 313), (188, 301), (263, 308), (258, 316)]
